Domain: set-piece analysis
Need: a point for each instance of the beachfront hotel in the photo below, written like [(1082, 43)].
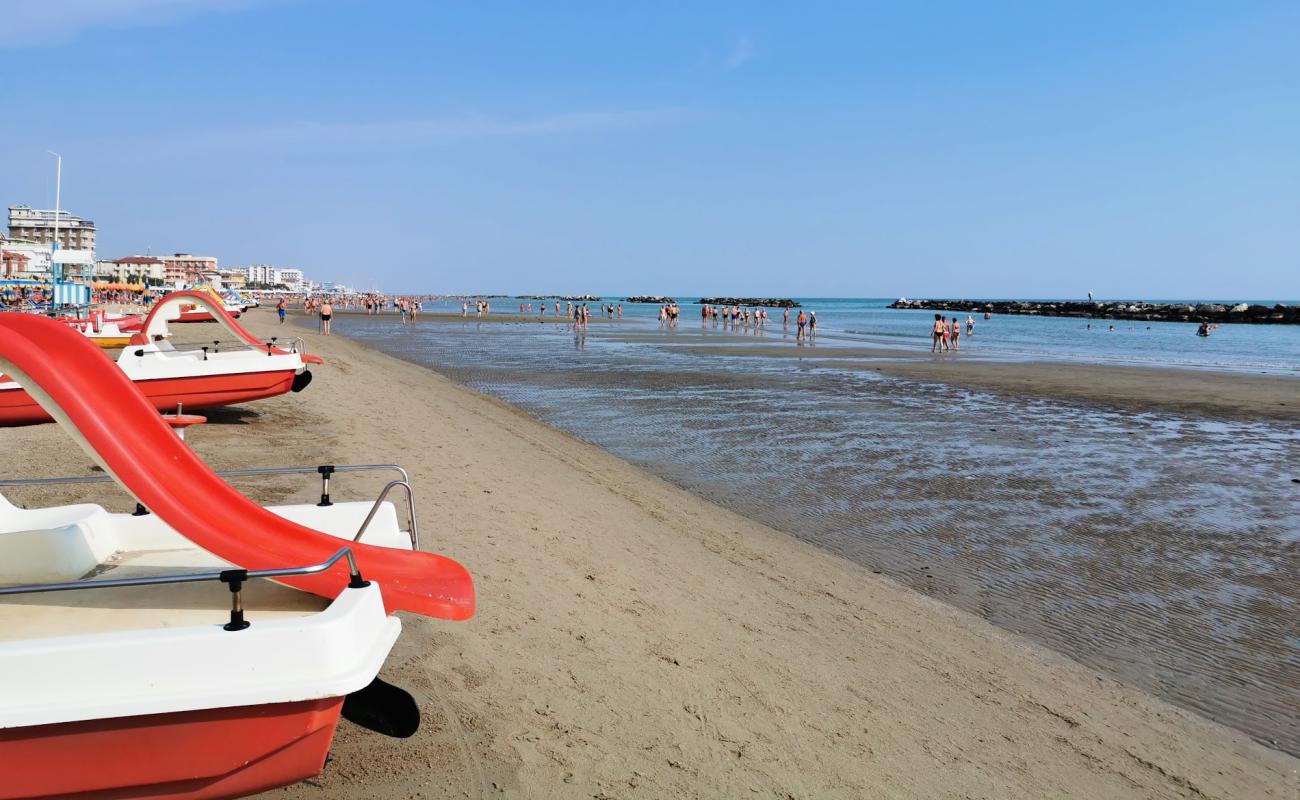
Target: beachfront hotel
[(39, 225)]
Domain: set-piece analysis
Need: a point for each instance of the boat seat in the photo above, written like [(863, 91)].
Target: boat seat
[(53, 544)]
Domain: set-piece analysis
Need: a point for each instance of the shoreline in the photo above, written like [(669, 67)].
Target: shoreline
[(1207, 392), (634, 639)]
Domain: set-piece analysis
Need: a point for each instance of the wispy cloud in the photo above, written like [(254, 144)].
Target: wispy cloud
[(32, 24), (742, 50), (466, 126)]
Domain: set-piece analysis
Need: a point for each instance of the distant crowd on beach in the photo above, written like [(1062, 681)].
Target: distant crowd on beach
[(946, 336), (740, 318)]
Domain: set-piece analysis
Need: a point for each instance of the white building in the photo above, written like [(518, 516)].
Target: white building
[(292, 278), (38, 224), (132, 269), (34, 256), (267, 275)]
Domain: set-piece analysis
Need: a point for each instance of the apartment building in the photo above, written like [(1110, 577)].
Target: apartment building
[(184, 268), (39, 224)]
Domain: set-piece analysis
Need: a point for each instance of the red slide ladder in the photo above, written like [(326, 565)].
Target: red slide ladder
[(109, 417)]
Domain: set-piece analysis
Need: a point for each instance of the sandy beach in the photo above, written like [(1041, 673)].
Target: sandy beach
[(633, 640)]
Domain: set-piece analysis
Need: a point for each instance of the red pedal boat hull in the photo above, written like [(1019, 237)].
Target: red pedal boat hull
[(197, 755), (202, 316), (201, 391)]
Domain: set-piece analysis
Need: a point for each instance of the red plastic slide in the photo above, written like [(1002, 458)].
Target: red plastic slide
[(66, 373), (205, 301)]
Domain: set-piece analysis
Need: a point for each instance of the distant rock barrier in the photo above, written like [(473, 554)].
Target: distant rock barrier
[(581, 298), (649, 298), (1137, 311), (769, 302)]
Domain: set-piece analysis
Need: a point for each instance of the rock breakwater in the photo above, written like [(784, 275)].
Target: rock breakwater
[(769, 302), (649, 298), (1139, 311)]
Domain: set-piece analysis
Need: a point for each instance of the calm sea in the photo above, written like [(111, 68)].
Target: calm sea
[(1162, 549)]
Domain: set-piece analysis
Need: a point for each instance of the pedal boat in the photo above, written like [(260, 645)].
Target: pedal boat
[(107, 333), (201, 378), (151, 655)]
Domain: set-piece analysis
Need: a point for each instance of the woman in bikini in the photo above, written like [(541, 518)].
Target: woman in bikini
[(937, 334), (956, 334)]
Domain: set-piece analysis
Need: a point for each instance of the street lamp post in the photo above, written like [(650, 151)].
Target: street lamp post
[(55, 273)]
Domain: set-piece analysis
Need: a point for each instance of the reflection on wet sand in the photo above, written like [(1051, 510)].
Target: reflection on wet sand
[(1160, 547)]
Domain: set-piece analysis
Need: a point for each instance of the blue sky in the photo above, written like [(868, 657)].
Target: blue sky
[(847, 149)]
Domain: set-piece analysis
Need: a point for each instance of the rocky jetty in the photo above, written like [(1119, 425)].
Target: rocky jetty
[(648, 298), (769, 302), (1137, 311)]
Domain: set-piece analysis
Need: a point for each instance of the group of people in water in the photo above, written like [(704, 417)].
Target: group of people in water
[(741, 318), (946, 336)]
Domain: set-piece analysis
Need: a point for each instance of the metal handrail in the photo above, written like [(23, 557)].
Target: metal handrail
[(194, 577), (410, 510), (324, 470), (228, 473)]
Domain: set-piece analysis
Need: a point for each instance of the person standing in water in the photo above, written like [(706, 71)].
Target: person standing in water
[(936, 334), (956, 334), (326, 314), (970, 325)]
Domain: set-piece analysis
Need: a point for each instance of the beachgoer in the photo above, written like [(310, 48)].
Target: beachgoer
[(326, 314), (785, 318), (812, 324), (279, 309), (970, 325), (956, 334), (936, 334), (800, 322)]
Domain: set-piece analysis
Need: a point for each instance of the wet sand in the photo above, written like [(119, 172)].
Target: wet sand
[(1200, 392), (446, 316), (633, 640)]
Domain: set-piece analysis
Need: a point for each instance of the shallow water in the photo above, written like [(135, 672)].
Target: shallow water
[(1160, 549), (849, 321)]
